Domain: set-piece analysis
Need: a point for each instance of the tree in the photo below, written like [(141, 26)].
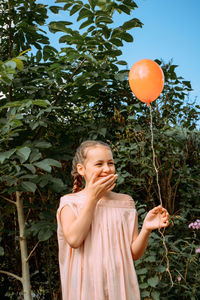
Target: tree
[(40, 98)]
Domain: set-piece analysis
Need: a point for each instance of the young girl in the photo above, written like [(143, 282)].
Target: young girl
[(98, 231)]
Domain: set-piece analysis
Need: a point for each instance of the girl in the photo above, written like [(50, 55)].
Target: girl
[(98, 231)]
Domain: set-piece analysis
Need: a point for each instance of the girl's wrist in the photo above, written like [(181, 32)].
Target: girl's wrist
[(92, 200), (146, 230), (92, 197)]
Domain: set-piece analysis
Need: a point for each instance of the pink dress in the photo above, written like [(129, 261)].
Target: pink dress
[(102, 267)]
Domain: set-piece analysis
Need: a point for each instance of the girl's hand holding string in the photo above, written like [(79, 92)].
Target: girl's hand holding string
[(156, 218)]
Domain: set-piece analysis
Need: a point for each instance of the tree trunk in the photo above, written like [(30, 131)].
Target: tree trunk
[(23, 247)]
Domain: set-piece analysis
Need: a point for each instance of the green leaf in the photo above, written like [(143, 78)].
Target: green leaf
[(11, 64), (1, 251), (23, 153), (66, 39), (151, 258), (126, 37), (121, 76), (187, 83), (35, 155), (68, 5), (142, 271), (84, 13), (101, 13), (86, 23), (28, 176), (155, 295), (6, 79), (132, 23), (6, 155), (44, 234), (102, 131), (115, 53), (42, 144), (29, 186), (106, 31), (143, 285), (58, 186), (91, 28), (116, 42), (122, 62), (59, 26), (153, 281), (124, 8), (160, 269), (92, 3), (106, 20), (178, 88), (30, 168), (41, 103), (26, 103), (19, 63), (55, 9), (74, 9), (39, 55), (53, 162), (91, 58), (116, 32), (44, 165), (47, 163), (145, 294)]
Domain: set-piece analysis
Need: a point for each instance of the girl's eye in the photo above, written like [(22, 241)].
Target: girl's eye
[(100, 164)]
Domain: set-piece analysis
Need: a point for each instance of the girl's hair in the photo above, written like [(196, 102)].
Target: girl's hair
[(79, 158)]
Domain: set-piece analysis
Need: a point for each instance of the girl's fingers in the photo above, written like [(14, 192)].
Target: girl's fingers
[(165, 219), (111, 187), (160, 209), (163, 214), (164, 211), (108, 185), (107, 180), (101, 180), (110, 182), (155, 210), (165, 224)]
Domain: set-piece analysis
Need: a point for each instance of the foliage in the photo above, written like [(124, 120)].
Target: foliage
[(52, 101), (9, 68), (153, 278)]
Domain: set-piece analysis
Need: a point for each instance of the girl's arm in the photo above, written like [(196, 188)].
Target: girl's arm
[(156, 218), (75, 229)]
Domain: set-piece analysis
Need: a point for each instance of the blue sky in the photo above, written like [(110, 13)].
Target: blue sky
[(171, 30)]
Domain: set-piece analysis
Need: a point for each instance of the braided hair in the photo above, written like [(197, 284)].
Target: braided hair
[(80, 157)]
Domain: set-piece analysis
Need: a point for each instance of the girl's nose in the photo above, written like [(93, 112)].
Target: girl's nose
[(106, 168)]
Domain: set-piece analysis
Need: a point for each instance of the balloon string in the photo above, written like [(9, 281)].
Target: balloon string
[(154, 156), (159, 194)]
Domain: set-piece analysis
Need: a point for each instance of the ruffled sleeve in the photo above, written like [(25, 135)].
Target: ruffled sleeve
[(67, 200)]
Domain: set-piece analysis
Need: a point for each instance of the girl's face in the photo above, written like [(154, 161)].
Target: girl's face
[(98, 159)]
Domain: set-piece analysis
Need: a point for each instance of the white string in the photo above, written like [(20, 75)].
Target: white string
[(159, 194)]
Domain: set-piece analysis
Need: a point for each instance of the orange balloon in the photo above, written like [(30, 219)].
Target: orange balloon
[(146, 80)]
